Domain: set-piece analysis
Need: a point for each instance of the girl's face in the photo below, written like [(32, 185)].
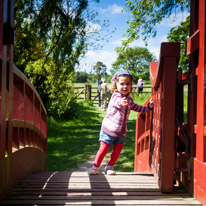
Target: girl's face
[(124, 85)]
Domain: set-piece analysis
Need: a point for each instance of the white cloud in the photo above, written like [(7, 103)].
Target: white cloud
[(92, 57), (153, 44), (117, 42), (91, 27), (137, 43), (113, 9), (108, 55), (175, 19)]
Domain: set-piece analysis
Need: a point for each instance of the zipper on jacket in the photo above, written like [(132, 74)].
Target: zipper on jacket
[(125, 115)]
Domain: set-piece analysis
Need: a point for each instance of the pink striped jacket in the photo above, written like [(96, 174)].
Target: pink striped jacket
[(115, 121)]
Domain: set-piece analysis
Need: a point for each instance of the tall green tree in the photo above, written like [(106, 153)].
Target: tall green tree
[(100, 69), (136, 61), (54, 29), (147, 14), (81, 77), (50, 38)]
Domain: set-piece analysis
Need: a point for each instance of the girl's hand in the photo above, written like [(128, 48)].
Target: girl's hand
[(151, 103), (124, 101)]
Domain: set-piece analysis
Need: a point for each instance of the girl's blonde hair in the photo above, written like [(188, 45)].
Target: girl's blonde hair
[(113, 87)]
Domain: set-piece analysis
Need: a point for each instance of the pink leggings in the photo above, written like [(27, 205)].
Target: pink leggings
[(103, 150)]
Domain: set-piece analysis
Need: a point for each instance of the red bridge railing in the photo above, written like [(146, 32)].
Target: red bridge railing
[(29, 115), (23, 118), (23, 133), (142, 141)]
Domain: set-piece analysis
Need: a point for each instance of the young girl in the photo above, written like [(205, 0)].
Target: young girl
[(114, 125)]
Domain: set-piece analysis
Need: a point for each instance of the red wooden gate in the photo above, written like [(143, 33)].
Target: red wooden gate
[(159, 134), (196, 49), (175, 149)]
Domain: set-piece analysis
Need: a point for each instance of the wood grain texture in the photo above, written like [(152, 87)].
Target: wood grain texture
[(78, 188)]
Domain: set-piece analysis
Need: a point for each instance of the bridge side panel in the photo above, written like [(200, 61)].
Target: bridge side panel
[(200, 127), (154, 160), (142, 142), (3, 76), (23, 118)]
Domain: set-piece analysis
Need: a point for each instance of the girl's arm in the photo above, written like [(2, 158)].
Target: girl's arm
[(141, 108)]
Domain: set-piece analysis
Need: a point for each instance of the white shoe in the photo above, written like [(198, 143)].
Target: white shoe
[(93, 171), (109, 170)]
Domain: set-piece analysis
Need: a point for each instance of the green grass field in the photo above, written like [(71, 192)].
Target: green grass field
[(71, 143)]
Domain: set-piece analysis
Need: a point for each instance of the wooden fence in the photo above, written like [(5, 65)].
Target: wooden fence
[(90, 92)]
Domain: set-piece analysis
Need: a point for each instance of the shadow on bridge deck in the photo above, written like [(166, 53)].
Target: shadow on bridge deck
[(78, 188)]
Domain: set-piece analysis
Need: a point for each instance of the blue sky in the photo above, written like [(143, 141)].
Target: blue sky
[(111, 10)]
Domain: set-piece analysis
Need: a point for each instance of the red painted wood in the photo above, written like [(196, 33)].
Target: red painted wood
[(168, 125), (200, 181), (29, 99), (200, 150), (1, 28), (193, 164), (3, 52), (193, 43), (160, 158), (142, 142), (200, 146), (155, 74), (156, 132), (23, 118), (18, 98)]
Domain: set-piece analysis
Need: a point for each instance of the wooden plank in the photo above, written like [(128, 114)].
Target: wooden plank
[(93, 192), (105, 197), (78, 188), (192, 43), (84, 186), (189, 201)]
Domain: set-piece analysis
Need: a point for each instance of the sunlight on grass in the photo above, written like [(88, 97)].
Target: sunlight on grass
[(72, 142)]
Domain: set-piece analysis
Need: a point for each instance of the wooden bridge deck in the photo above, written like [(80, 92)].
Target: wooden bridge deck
[(78, 188)]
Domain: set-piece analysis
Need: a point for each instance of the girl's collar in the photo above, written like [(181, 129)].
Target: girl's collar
[(121, 94)]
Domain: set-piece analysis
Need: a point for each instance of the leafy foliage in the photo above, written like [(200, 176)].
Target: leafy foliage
[(54, 86), (50, 39), (100, 69), (49, 29), (81, 77), (181, 34), (136, 61), (146, 14)]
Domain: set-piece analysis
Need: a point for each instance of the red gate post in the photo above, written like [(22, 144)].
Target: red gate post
[(169, 55), (161, 158), (6, 73), (167, 154)]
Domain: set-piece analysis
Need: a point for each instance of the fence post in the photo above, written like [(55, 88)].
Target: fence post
[(88, 89)]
